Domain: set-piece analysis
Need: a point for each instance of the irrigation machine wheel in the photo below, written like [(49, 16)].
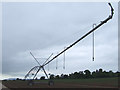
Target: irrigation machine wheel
[(30, 83), (51, 83)]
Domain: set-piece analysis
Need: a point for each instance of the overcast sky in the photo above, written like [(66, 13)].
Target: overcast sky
[(45, 28)]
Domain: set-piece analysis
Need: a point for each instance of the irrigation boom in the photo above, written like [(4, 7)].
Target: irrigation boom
[(37, 68), (102, 22)]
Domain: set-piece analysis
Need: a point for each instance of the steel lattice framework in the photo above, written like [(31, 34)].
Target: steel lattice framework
[(33, 72)]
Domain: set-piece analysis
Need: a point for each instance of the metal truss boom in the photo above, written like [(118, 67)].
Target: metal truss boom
[(97, 26), (36, 69)]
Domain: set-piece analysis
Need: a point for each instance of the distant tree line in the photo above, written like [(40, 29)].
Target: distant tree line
[(82, 75), (86, 74)]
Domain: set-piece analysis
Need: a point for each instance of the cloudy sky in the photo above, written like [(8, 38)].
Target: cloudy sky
[(45, 28)]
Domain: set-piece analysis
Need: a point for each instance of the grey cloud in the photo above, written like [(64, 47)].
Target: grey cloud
[(45, 28)]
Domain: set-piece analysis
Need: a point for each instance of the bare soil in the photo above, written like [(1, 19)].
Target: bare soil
[(64, 84)]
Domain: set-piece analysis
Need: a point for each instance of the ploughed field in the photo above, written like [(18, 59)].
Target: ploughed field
[(66, 83)]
